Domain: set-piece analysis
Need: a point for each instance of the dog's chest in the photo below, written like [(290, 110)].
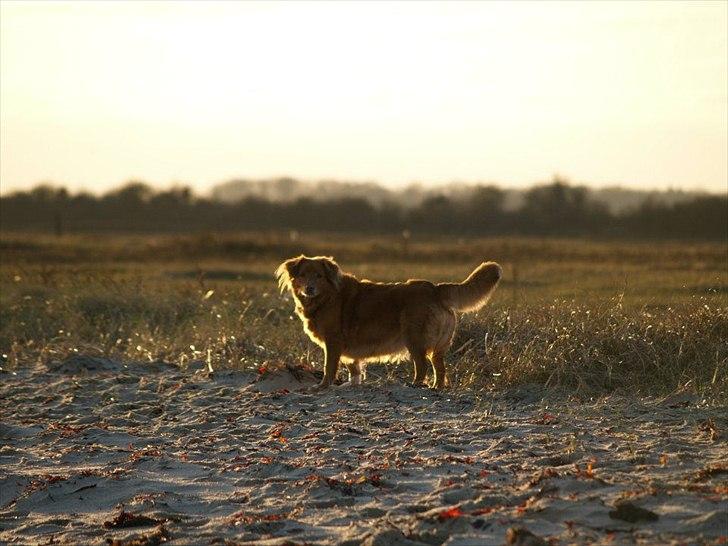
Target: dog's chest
[(312, 326)]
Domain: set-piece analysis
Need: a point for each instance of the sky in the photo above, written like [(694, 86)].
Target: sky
[(93, 94)]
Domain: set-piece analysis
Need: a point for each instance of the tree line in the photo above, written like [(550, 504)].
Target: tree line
[(554, 209)]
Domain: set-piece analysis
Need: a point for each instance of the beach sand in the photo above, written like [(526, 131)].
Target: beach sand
[(95, 451)]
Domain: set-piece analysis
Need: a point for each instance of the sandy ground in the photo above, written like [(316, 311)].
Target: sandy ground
[(93, 451)]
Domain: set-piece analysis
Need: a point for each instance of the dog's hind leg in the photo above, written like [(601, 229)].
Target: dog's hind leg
[(438, 365), (446, 333), (356, 374), (419, 360)]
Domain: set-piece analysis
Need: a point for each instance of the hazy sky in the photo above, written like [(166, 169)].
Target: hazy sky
[(94, 94)]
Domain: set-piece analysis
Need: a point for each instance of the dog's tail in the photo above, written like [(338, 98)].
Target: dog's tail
[(474, 292)]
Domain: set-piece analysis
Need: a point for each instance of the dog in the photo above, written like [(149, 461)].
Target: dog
[(357, 321)]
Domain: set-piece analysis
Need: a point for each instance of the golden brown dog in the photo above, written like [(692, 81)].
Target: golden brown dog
[(358, 321)]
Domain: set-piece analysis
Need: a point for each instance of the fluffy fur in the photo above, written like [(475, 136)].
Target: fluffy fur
[(356, 321)]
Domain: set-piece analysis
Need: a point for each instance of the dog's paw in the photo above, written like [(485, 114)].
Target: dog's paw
[(353, 382), (348, 385), (319, 387)]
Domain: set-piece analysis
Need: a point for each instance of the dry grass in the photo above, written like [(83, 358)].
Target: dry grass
[(592, 317)]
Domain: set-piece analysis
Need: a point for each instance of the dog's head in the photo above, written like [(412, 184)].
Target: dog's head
[(309, 278)]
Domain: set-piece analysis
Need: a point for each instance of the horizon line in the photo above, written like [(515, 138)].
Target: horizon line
[(392, 186)]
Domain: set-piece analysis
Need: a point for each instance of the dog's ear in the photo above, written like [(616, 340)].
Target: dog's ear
[(286, 271), (332, 271)]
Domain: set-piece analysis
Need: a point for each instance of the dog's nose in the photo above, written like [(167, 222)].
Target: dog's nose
[(310, 291)]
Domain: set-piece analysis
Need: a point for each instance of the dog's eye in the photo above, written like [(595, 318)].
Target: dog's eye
[(319, 275)]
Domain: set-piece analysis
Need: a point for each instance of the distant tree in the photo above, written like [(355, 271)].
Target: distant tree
[(348, 214), (391, 217), (700, 218), (559, 208), (556, 208), (483, 211), (284, 189), (132, 193), (435, 214), (181, 196)]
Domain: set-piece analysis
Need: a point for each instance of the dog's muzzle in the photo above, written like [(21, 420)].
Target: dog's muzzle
[(309, 291)]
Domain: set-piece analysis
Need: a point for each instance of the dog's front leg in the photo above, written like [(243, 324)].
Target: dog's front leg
[(331, 367)]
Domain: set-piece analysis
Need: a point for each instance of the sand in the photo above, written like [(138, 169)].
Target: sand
[(95, 451)]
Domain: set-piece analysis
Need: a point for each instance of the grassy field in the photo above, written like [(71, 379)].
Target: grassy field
[(590, 317)]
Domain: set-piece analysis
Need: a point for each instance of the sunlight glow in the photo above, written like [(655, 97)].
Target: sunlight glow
[(93, 94)]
